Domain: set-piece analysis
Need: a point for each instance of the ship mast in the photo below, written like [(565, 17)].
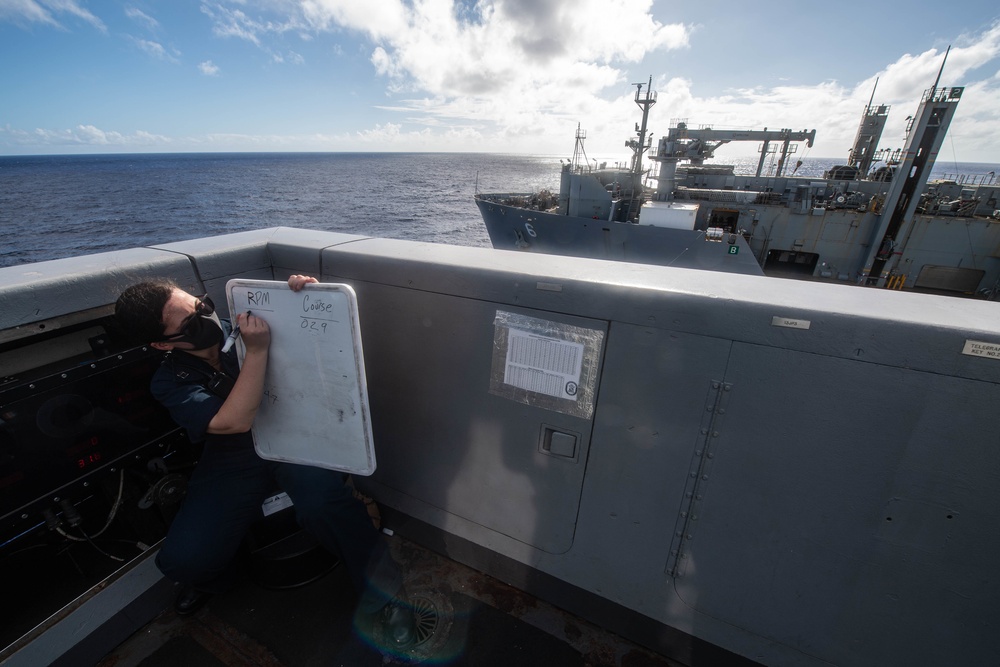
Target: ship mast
[(579, 154), (929, 126), (639, 146), (869, 134)]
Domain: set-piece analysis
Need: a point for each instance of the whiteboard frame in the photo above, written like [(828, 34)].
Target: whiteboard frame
[(354, 451)]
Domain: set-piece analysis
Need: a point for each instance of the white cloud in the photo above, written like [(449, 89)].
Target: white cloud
[(378, 18), (835, 110), (208, 68), (45, 11), (378, 137), (234, 22), (496, 49), (156, 50), (81, 135), (426, 139), (521, 72), (518, 75), (384, 64), (141, 17), (229, 22), (290, 57), (513, 68), (380, 133), (25, 11)]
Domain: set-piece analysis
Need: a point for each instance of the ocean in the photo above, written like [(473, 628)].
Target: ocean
[(59, 206)]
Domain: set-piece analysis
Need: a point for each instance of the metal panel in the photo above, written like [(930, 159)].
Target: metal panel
[(949, 278), (47, 291), (654, 389), (72, 626), (300, 250), (444, 441), (842, 510), (219, 258)]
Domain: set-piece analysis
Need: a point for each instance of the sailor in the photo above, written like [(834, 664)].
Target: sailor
[(215, 401)]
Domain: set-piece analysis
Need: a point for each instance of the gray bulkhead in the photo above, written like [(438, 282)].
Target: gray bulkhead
[(801, 473)]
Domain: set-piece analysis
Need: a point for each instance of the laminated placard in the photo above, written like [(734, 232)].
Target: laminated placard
[(546, 364)]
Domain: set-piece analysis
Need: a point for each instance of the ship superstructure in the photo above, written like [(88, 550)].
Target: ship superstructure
[(876, 221)]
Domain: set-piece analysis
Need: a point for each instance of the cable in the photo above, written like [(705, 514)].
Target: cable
[(73, 538), (54, 523), (117, 503), (75, 520), (99, 549)]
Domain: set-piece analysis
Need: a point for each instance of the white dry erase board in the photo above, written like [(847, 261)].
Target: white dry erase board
[(314, 409)]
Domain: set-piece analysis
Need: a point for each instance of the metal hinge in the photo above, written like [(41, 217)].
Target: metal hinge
[(699, 473)]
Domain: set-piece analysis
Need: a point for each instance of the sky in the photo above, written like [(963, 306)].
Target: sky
[(498, 76)]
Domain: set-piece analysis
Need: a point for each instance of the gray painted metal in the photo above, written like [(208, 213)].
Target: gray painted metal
[(842, 440), (58, 635), (827, 431), (525, 230), (481, 454)]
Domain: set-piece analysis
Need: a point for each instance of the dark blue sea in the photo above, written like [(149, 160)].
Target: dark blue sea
[(58, 206)]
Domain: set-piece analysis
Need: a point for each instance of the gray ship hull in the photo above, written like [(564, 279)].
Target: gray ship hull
[(513, 228), (944, 254)]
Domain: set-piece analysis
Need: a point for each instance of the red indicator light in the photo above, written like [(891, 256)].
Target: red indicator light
[(88, 460)]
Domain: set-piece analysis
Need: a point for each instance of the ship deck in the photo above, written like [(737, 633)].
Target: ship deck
[(476, 620)]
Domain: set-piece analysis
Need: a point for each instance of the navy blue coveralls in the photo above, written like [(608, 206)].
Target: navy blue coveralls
[(231, 481)]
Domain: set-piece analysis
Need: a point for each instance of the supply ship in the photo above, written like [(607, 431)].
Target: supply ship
[(875, 221)]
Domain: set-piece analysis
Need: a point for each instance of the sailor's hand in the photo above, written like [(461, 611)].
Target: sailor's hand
[(297, 282), (254, 331)]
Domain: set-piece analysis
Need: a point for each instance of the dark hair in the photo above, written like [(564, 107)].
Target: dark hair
[(139, 310)]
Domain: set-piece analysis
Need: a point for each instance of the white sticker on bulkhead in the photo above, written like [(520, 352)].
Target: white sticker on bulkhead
[(542, 364), (546, 364), (790, 323)]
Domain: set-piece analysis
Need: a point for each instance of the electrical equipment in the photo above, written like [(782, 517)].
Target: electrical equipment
[(63, 430)]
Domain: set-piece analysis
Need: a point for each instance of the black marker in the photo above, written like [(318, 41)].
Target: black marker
[(232, 337)]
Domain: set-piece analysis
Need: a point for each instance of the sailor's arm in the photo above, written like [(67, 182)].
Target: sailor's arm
[(238, 411)]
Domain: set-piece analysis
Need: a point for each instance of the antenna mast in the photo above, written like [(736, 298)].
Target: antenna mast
[(874, 88), (639, 147), (940, 71), (579, 153)]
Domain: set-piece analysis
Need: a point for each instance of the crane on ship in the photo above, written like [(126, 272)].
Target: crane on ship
[(698, 145)]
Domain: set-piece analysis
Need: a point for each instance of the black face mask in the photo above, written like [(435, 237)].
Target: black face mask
[(202, 332)]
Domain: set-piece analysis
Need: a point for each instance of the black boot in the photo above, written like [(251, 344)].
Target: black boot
[(189, 600)]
